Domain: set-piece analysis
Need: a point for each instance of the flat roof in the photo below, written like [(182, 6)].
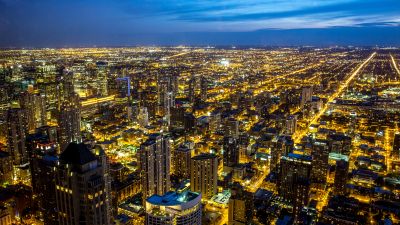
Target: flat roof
[(173, 198)]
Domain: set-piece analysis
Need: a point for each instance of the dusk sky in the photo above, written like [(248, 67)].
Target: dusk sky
[(59, 23)]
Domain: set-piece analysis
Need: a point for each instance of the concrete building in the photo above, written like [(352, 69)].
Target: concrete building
[(204, 174), (181, 161), (83, 187), (155, 157), (174, 208)]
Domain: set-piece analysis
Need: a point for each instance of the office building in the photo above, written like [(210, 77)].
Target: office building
[(181, 161), (143, 117), (6, 167), (174, 208), (43, 151), (232, 128), (70, 122), (341, 175), (231, 151), (294, 180), (155, 157), (16, 135), (320, 166), (281, 145), (83, 186), (203, 88), (204, 174), (291, 124), (306, 95), (34, 105)]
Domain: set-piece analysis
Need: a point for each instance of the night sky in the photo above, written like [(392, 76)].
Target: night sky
[(75, 23)]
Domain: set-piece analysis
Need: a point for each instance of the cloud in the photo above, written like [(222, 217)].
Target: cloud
[(275, 13)]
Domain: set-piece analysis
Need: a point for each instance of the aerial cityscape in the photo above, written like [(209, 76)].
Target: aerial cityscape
[(227, 134)]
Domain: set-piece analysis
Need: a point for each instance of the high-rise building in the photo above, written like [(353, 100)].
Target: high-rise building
[(65, 88), (232, 128), (240, 206), (155, 157), (341, 174), (294, 180), (43, 158), (178, 117), (6, 167), (192, 89), (181, 161), (83, 186), (174, 208), (143, 117), (165, 99), (306, 95), (101, 78), (339, 143), (204, 174), (203, 88), (291, 124), (282, 145), (16, 127), (320, 157), (70, 122), (231, 151), (396, 146), (35, 110), (215, 121)]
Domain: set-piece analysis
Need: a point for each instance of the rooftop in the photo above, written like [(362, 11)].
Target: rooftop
[(77, 154), (173, 198)]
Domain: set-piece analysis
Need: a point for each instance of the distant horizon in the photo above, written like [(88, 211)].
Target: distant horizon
[(340, 36), (86, 23)]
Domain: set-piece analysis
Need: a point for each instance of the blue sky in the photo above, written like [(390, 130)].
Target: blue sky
[(132, 22)]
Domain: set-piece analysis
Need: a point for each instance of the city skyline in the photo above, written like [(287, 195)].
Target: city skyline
[(199, 112)]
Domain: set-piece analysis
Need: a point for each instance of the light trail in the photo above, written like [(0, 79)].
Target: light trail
[(97, 100), (297, 138), (395, 65)]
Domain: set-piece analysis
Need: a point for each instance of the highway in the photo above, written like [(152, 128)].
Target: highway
[(345, 84), (395, 64)]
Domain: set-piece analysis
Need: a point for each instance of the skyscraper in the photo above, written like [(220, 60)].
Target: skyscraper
[(174, 208), (16, 134), (204, 174), (192, 89), (306, 95), (143, 117), (70, 122), (35, 110), (6, 167), (341, 174), (282, 145), (294, 180), (181, 161), (155, 157), (165, 99), (203, 88), (83, 186), (43, 158), (232, 128), (291, 124), (320, 157), (231, 151)]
